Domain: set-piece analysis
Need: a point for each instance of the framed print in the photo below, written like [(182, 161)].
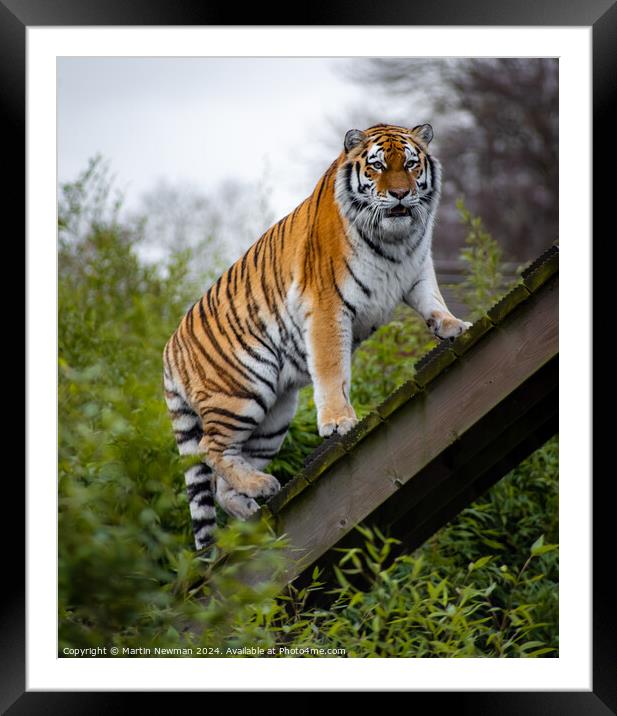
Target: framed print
[(110, 604)]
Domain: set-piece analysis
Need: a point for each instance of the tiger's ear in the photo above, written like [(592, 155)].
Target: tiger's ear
[(424, 132), (353, 138)]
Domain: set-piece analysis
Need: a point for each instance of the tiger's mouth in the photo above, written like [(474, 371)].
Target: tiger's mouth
[(396, 211)]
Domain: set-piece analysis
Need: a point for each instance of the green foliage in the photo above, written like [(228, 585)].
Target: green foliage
[(482, 255), (87, 202), (486, 585), (386, 360), (416, 606)]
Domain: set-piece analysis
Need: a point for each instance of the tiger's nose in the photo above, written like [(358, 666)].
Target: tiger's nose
[(398, 193)]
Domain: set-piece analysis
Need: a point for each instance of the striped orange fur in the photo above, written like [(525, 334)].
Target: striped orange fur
[(293, 308)]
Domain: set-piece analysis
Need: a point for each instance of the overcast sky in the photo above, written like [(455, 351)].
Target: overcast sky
[(199, 120)]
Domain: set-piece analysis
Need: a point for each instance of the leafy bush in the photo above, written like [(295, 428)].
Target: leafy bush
[(422, 608), (486, 585), (482, 256)]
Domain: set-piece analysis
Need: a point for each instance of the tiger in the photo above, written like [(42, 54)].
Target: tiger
[(292, 310)]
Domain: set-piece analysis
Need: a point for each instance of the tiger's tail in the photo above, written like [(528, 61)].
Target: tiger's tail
[(199, 478)]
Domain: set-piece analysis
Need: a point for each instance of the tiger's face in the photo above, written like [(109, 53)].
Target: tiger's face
[(388, 180)]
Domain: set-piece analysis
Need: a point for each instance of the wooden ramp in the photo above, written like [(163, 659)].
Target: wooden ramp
[(475, 408)]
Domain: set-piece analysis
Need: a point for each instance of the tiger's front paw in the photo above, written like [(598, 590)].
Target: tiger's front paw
[(444, 325), (339, 421)]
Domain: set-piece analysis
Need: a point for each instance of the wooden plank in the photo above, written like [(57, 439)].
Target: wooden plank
[(523, 412), (420, 430), (446, 504)]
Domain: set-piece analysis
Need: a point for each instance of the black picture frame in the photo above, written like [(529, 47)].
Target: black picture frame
[(17, 15)]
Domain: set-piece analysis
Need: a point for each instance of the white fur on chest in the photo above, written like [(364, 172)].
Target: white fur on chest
[(384, 282)]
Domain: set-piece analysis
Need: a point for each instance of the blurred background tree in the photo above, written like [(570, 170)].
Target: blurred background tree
[(215, 226)]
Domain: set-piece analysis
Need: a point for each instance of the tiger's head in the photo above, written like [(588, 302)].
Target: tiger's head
[(387, 181)]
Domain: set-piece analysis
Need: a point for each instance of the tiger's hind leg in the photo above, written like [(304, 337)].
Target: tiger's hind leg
[(260, 448), (198, 478), (235, 437), (236, 504), (199, 484)]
